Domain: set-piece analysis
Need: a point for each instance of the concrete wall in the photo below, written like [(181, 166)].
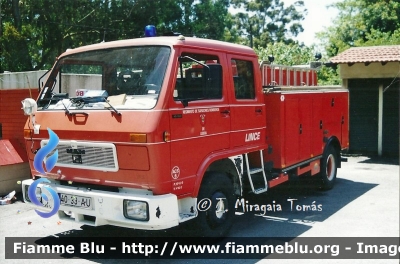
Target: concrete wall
[(369, 71), (20, 80), (81, 81)]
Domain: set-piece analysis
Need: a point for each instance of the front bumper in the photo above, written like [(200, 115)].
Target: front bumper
[(107, 207)]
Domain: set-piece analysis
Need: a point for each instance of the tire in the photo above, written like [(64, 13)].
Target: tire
[(328, 168), (215, 206)]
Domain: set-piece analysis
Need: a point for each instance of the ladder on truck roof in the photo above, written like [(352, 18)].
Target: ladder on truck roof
[(253, 171), (282, 75)]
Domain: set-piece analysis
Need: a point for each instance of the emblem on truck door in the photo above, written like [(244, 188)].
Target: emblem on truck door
[(175, 172), (202, 119)]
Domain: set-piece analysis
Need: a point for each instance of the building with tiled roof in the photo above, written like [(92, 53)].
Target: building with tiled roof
[(372, 75), (382, 54)]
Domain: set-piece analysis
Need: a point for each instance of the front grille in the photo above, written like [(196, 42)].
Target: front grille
[(86, 155)]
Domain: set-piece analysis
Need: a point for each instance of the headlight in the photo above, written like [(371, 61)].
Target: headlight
[(26, 193), (136, 210), (38, 193)]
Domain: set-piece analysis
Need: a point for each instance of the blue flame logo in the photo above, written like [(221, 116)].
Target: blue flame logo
[(38, 165), (53, 193), (43, 152)]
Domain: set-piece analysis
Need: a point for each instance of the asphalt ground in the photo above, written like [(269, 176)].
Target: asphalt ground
[(366, 204), (363, 203)]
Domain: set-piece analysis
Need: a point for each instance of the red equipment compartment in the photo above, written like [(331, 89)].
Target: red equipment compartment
[(300, 122)]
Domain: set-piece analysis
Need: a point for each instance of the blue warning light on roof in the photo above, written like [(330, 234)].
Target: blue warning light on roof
[(150, 31)]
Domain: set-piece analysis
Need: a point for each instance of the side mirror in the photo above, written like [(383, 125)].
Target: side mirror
[(212, 81)]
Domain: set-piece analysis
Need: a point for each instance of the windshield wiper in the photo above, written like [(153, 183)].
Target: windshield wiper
[(66, 108), (83, 101), (112, 107), (72, 113)]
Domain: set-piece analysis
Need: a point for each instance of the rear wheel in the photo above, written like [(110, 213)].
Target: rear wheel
[(215, 206), (328, 168)]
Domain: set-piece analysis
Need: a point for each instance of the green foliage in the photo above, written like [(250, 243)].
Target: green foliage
[(267, 21), (12, 46), (363, 23), (287, 54), (360, 23), (34, 32), (295, 54), (328, 76), (378, 38), (210, 18)]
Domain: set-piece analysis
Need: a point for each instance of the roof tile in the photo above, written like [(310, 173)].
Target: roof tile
[(368, 54)]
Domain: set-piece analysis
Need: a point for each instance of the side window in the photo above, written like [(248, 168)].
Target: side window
[(199, 78), (243, 79)]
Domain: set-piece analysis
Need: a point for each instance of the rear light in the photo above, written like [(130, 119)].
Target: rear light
[(136, 210)]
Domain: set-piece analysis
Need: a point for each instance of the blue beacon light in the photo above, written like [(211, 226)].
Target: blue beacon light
[(150, 31)]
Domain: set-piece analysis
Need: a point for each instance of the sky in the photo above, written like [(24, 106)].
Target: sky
[(318, 18)]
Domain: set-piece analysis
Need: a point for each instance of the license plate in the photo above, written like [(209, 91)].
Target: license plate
[(76, 201)]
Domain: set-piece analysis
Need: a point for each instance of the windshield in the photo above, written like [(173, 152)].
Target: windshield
[(121, 78)]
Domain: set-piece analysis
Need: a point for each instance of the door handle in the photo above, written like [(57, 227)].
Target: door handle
[(225, 112)]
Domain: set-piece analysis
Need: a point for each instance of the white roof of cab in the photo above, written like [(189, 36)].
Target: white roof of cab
[(173, 41)]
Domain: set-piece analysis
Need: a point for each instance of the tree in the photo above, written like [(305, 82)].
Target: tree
[(34, 32), (294, 54), (287, 54), (363, 23), (267, 21), (203, 18), (210, 18), (39, 30), (14, 51)]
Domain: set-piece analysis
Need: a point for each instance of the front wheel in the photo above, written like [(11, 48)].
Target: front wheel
[(215, 206), (328, 168)]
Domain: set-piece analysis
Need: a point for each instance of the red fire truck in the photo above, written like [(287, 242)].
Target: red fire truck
[(157, 131)]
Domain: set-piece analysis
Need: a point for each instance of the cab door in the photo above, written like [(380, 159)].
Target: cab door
[(199, 114), (248, 119)]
